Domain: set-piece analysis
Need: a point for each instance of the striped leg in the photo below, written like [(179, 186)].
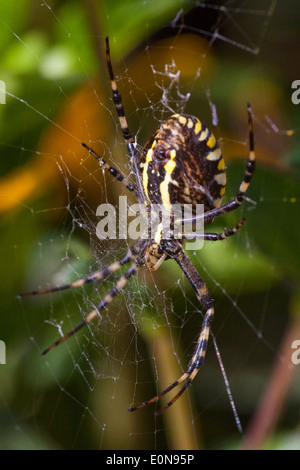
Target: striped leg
[(117, 98), (96, 276), (201, 347), (251, 161), (113, 171), (134, 156), (232, 205), (212, 236), (107, 299)]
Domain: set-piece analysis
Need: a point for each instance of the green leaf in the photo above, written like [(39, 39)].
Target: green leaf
[(273, 222), (130, 22)]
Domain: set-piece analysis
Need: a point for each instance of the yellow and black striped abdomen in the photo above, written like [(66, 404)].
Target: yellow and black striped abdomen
[(183, 164)]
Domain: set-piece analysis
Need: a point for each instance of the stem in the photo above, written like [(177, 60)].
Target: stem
[(182, 434), (275, 394)]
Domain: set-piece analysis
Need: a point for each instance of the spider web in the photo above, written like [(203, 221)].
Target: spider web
[(207, 59)]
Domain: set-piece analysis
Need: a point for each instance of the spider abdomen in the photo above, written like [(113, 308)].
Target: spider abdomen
[(183, 164)]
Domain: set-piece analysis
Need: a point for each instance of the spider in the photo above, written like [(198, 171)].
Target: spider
[(181, 163)]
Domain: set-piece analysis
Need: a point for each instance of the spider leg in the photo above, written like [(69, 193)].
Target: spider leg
[(213, 236), (201, 347), (232, 205), (117, 99), (103, 304), (113, 171), (96, 276)]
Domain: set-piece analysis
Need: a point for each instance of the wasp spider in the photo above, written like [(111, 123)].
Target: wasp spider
[(181, 163)]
